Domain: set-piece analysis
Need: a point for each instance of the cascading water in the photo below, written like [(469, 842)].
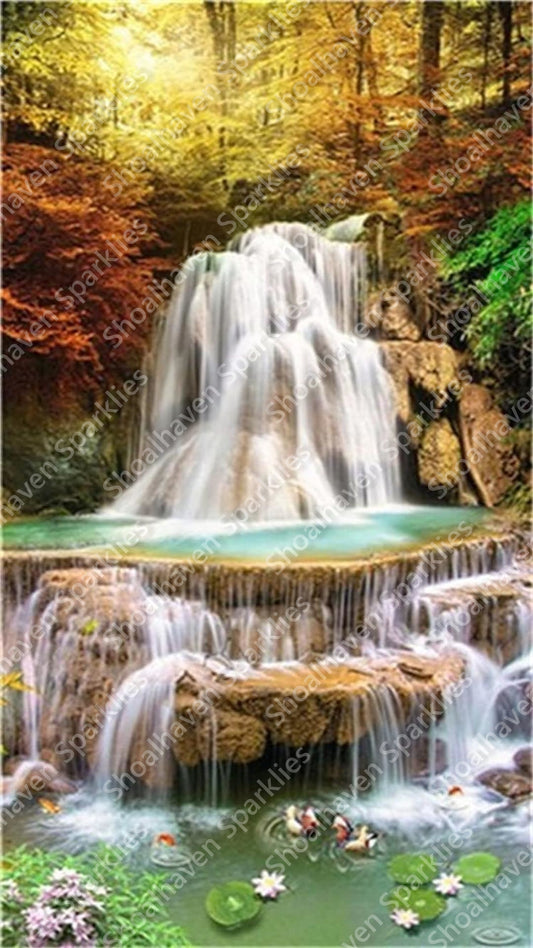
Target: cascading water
[(128, 646), (263, 376), (262, 370)]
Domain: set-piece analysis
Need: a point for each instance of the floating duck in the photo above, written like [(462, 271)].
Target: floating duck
[(309, 821), (301, 822), (353, 840)]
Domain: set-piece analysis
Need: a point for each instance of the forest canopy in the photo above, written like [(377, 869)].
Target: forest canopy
[(202, 119)]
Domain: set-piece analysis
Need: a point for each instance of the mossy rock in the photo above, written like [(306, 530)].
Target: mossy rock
[(232, 904), (426, 903), (477, 868), (408, 866)]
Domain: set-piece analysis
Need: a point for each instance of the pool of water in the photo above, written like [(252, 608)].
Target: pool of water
[(363, 533), (333, 898)]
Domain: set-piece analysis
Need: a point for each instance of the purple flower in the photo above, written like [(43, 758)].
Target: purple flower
[(42, 924)]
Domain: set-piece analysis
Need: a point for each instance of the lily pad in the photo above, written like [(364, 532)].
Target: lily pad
[(477, 868), (426, 903), (413, 868), (232, 904)]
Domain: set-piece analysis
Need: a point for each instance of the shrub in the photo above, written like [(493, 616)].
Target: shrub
[(497, 261)]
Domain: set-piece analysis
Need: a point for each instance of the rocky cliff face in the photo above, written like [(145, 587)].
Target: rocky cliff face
[(454, 439), (57, 458)]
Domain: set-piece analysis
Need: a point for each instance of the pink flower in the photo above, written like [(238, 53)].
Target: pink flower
[(405, 918), (269, 884), (448, 884)]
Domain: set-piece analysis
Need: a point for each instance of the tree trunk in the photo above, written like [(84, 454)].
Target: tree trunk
[(372, 79), (360, 46), (505, 9), (487, 32), (430, 42), (222, 21)]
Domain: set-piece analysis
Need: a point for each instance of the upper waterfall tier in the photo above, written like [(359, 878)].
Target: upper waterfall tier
[(270, 403)]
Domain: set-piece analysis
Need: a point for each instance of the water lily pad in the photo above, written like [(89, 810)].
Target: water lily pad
[(232, 904), (477, 868), (426, 903), (413, 868)]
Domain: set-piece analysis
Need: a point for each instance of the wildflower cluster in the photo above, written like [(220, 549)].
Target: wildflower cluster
[(66, 911), (53, 899)]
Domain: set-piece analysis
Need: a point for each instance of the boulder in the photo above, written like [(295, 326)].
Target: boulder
[(439, 456), (33, 777), (523, 760), (507, 782), (492, 461)]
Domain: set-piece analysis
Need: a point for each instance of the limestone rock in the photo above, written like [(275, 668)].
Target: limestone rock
[(417, 667), (433, 368), (394, 359), (429, 367), (493, 464), (393, 318), (439, 456), (488, 613), (237, 737), (302, 704)]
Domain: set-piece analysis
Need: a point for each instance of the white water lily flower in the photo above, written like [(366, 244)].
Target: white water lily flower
[(405, 918), (448, 884), (269, 884)]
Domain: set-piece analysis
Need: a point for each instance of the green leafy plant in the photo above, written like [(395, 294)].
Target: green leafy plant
[(232, 904), (520, 498), (426, 903), (477, 868), (133, 903), (412, 868), (497, 261)]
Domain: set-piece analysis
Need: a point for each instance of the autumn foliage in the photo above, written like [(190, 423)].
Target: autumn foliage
[(73, 262)]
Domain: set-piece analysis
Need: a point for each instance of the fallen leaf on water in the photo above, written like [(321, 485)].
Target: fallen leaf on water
[(48, 805)]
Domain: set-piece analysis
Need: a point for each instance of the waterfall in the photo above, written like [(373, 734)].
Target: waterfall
[(80, 636), (134, 744), (107, 648), (262, 371)]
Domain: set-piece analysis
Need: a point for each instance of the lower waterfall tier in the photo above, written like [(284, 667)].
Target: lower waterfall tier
[(127, 668)]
